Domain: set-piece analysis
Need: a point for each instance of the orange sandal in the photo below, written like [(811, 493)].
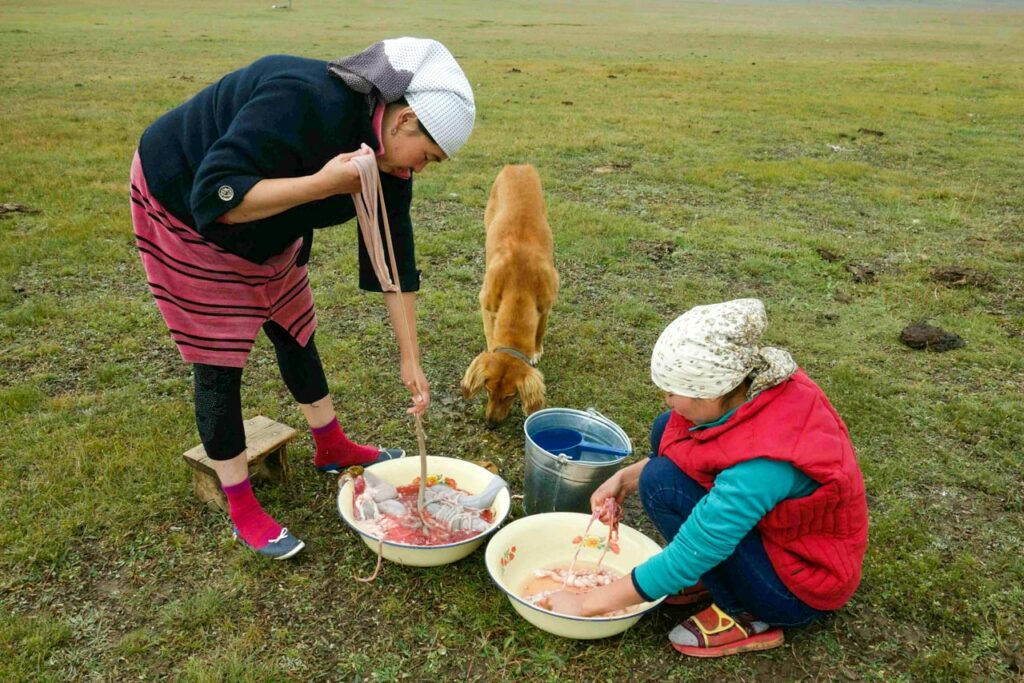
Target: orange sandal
[(688, 596), (718, 635)]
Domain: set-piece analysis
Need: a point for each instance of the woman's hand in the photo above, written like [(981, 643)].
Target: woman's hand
[(564, 602), (402, 313), (611, 488), (272, 196), (619, 485), (416, 382), (619, 594), (340, 175)]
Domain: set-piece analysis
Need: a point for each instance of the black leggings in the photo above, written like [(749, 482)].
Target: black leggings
[(219, 392)]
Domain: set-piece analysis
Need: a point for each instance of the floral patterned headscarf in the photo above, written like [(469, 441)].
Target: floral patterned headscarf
[(709, 350)]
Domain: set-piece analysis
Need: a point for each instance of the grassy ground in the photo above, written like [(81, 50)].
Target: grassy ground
[(690, 152)]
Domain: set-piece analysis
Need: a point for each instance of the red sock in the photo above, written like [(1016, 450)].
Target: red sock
[(255, 526), (334, 448)]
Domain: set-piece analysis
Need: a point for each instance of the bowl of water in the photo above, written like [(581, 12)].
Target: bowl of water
[(401, 472), (551, 540)]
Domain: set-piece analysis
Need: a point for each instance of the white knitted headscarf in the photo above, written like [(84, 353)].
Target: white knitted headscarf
[(426, 74), (709, 350)]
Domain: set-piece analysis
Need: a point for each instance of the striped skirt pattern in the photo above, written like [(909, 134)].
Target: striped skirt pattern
[(214, 302)]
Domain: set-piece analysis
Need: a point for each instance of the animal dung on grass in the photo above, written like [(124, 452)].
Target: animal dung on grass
[(861, 273), (953, 276), (828, 255), (929, 338), (7, 208)]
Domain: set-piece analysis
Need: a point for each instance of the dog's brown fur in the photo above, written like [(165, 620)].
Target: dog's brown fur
[(520, 286)]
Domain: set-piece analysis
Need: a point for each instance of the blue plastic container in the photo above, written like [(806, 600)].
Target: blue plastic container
[(559, 440)]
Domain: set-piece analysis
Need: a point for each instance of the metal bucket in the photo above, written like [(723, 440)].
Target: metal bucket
[(557, 483)]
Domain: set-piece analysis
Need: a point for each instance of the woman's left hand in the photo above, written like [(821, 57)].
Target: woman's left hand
[(340, 175), (564, 602), (416, 382)]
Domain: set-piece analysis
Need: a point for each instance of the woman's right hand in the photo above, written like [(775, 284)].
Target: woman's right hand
[(612, 488), (340, 175), (619, 485), (416, 382)]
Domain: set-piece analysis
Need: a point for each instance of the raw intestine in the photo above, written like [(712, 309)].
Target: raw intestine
[(451, 515), (582, 579)]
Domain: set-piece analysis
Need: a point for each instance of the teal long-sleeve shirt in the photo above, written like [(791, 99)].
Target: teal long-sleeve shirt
[(739, 498)]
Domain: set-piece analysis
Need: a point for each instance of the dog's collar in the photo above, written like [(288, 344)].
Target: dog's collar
[(516, 353)]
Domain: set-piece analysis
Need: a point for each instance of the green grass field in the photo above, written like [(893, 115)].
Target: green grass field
[(691, 152)]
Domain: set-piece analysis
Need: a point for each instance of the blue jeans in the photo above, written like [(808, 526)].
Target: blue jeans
[(743, 582)]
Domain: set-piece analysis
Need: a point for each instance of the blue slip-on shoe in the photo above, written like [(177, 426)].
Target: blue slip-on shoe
[(383, 455), (281, 548), (388, 454)]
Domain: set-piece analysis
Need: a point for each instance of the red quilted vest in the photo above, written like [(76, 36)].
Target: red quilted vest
[(816, 544)]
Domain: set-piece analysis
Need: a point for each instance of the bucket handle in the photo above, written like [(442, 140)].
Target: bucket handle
[(594, 412), (562, 459), (598, 415)]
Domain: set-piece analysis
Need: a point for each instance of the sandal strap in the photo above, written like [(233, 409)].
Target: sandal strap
[(712, 626)]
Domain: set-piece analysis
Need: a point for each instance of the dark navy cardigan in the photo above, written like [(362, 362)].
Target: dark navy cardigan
[(279, 117)]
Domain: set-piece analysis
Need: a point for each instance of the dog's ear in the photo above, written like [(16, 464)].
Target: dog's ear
[(473, 380), (531, 391)]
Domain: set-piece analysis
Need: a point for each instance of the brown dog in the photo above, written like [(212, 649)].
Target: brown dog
[(520, 286)]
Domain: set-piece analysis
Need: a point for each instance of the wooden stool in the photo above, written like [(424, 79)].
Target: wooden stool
[(266, 445)]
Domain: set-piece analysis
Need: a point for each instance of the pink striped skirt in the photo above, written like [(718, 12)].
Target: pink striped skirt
[(214, 302)]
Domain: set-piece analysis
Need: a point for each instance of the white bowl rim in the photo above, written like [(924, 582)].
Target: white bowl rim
[(412, 546), (590, 620)]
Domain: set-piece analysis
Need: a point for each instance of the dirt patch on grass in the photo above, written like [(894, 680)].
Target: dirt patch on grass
[(1013, 654), (861, 272), (654, 250), (613, 167)]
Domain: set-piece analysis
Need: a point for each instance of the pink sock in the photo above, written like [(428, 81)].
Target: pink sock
[(255, 526), (334, 448)]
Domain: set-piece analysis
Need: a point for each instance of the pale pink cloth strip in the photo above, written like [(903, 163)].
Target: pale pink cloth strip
[(367, 202)]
